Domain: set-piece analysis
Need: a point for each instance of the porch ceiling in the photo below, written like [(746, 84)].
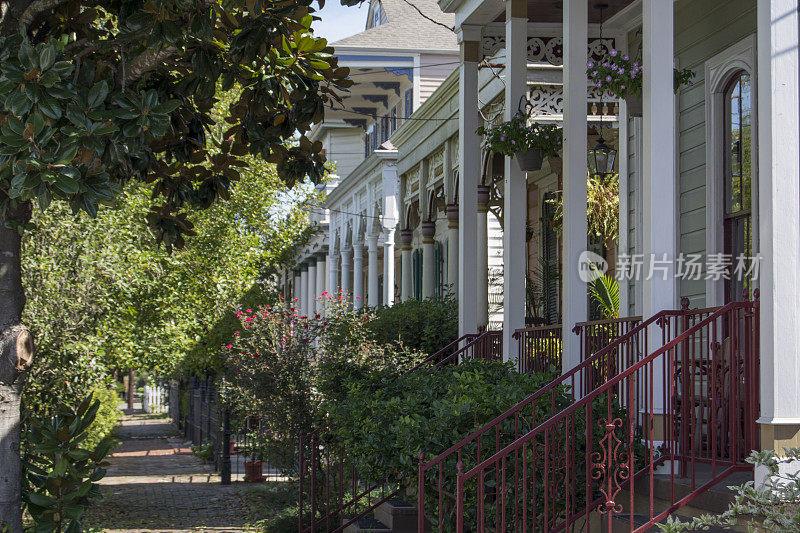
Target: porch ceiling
[(553, 11)]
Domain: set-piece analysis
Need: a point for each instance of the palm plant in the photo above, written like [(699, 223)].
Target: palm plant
[(604, 291)]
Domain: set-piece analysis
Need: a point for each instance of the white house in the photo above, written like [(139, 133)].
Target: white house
[(707, 364)]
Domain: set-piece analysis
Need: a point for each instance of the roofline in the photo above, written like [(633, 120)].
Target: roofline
[(366, 49)]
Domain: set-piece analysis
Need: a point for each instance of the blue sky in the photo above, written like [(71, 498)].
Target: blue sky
[(339, 21)]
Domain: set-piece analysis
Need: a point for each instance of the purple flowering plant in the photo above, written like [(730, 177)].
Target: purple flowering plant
[(620, 75), (516, 135)]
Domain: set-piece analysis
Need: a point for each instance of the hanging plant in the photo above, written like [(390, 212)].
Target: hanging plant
[(621, 76), (529, 143)]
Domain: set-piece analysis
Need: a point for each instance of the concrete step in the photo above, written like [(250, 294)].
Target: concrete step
[(367, 524), (398, 515), (622, 524)]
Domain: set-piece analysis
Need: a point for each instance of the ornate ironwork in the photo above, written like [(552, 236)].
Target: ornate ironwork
[(610, 466)]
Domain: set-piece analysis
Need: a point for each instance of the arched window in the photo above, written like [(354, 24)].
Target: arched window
[(737, 182)]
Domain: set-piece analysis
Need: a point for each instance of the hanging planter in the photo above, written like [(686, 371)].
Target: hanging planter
[(529, 160), (528, 143), (618, 74)]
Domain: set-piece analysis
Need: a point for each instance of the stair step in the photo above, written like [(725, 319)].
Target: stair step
[(398, 515), (622, 523), (367, 524)]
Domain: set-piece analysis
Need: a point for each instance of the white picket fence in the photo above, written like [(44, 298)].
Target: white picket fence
[(156, 399)]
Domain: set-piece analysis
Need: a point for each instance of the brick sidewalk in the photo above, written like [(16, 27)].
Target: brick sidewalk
[(154, 483)]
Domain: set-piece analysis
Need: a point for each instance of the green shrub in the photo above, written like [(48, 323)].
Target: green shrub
[(425, 326), (204, 452), (107, 418), (385, 421)]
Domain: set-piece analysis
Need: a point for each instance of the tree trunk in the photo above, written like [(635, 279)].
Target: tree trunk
[(16, 356), (131, 388)]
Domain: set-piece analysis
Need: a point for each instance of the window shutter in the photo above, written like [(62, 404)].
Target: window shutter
[(549, 266)]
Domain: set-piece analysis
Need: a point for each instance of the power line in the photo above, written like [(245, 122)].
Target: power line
[(376, 115), (482, 63)]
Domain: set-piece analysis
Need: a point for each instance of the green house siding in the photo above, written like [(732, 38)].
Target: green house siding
[(703, 29)]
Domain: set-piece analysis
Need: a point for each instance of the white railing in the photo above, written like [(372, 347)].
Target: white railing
[(155, 399)]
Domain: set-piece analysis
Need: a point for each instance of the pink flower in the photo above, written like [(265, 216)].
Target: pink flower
[(297, 299), (235, 332), (249, 311), (358, 297), (249, 319), (229, 346)]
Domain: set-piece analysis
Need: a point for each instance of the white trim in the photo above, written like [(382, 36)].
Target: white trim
[(718, 71), (417, 81), (778, 421), (622, 169)]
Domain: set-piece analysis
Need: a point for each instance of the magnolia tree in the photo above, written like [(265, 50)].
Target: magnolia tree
[(97, 94)]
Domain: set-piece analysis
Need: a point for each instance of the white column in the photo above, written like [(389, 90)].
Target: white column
[(358, 275), (333, 274), (407, 265), (391, 184), (311, 297), (303, 290), (346, 281), (388, 268), (322, 273), (660, 224), (372, 270), (482, 234), (428, 265), (469, 163), (515, 191), (779, 209), (452, 247), (576, 20), (296, 291)]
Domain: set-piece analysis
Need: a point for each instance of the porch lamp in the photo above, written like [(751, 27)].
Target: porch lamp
[(601, 159)]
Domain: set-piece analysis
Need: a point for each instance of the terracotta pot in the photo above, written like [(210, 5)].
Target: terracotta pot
[(529, 160), (253, 471), (232, 450), (635, 105)]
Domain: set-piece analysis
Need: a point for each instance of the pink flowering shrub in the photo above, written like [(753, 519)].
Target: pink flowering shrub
[(280, 366)]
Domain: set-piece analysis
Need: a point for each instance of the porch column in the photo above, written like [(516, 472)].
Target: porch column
[(358, 275), (428, 230), (576, 35), (372, 270), (296, 293), (388, 267), (333, 274), (407, 265), (303, 290), (347, 261), (469, 163), (311, 297), (452, 247), (482, 235), (391, 184), (659, 215), (321, 276), (515, 191), (779, 209)]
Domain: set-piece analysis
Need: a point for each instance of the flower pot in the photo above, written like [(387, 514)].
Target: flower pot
[(253, 471), (232, 450), (635, 105), (529, 160)]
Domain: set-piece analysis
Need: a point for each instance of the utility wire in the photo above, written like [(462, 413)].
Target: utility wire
[(376, 115), (481, 64)]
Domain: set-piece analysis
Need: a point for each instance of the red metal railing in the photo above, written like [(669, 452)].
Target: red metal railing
[(539, 348), (487, 346), (332, 495), (596, 335), (690, 403)]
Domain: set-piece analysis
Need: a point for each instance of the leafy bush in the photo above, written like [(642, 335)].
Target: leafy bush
[(277, 362), (423, 326), (61, 470), (107, 418), (385, 421), (204, 452)]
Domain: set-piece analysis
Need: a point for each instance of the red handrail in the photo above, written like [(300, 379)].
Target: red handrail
[(612, 469)]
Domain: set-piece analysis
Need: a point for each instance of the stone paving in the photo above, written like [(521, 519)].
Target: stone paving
[(155, 483)]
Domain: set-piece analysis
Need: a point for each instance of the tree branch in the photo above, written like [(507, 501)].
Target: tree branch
[(37, 7)]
